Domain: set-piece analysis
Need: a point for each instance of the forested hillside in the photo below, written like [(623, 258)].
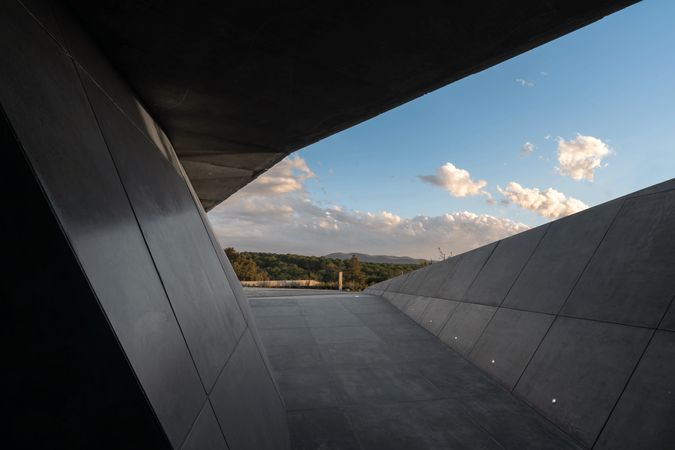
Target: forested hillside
[(254, 266)]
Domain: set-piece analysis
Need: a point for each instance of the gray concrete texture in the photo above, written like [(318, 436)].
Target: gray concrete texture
[(234, 107), (138, 233), (565, 316), (386, 383)]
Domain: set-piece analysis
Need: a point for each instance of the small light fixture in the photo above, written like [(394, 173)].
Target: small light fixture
[(455, 337), (553, 400), (493, 361)]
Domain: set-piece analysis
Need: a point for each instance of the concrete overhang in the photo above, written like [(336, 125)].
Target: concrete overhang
[(239, 85)]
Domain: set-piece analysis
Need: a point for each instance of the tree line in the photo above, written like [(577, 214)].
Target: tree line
[(357, 275)]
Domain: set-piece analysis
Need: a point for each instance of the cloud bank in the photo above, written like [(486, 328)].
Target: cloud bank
[(275, 213), (578, 158)]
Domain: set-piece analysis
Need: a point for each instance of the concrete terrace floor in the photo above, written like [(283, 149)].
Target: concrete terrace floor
[(355, 373)]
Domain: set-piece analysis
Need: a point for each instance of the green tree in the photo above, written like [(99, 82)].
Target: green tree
[(244, 266), (354, 276)]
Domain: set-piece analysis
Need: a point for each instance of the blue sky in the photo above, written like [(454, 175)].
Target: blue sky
[(613, 81)]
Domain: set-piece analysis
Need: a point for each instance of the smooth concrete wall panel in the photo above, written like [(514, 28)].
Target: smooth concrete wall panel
[(668, 322), (508, 343), (416, 307), (465, 326), (88, 56), (549, 276), (397, 282), (589, 290), (67, 380), (246, 404), (46, 104), (579, 371), (643, 418), (414, 281), (400, 300), (384, 285), (202, 299), (631, 277), (43, 12), (437, 314), (438, 273), (468, 266), (205, 433), (501, 270)]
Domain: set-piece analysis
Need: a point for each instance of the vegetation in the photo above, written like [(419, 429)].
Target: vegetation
[(255, 266)]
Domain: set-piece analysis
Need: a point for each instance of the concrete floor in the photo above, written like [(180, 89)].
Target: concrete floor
[(355, 373)]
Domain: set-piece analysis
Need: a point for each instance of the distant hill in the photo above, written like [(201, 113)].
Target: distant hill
[(378, 259)]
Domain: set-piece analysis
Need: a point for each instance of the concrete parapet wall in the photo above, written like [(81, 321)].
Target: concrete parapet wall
[(575, 317)]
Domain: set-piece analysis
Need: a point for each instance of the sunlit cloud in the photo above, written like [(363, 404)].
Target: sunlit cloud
[(580, 157), (292, 221), (456, 181), (287, 176), (547, 203)]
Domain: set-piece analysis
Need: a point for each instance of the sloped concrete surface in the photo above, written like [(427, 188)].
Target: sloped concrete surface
[(386, 383), (572, 330)]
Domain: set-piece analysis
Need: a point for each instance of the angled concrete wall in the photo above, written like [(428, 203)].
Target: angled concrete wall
[(151, 298), (575, 317)]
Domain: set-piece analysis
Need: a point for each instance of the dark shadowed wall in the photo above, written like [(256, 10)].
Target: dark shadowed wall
[(128, 321), (575, 317)]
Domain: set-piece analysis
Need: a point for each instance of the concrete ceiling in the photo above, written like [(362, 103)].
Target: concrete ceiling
[(239, 85)]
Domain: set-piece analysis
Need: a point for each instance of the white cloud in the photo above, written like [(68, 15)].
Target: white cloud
[(286, 176), (578, 158), (543, 74), (527, 148), (547, 203), (292, 222), (525, 83), (456, 181)]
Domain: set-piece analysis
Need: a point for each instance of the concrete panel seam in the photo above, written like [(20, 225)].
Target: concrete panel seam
[(630, 377), (424, 277), (51, 36), (424, 311), (595, 251), (618, 398), (647, 194), (446, 321), (220, 426), (509, 290), (522, 269), (79, 263), (197, 204), (551, 423), (192, 425), (220, 372), (515, 385), (461, 297), (494, 313), (590, 319), (133, 211)]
